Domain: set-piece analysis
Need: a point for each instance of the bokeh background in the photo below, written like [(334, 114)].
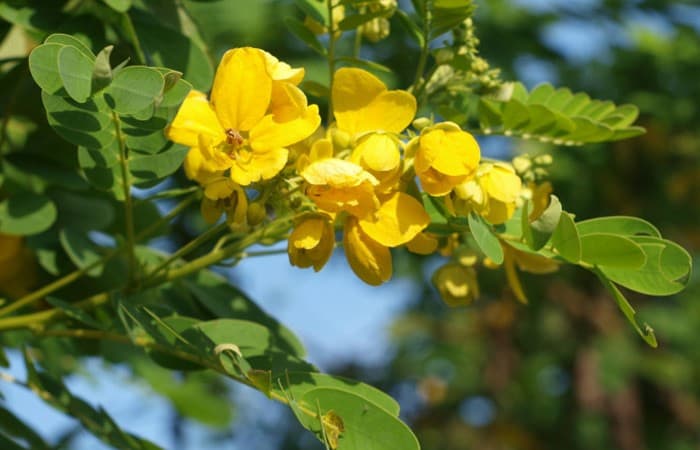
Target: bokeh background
[(566, 371)]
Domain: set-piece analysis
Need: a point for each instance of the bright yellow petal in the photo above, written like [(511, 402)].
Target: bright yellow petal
[(269, 133), (220, 188), (370, 260), (288, 101), (456, 284), (452, 153), (195, 117), (307, 234), (353, 89), (502, 183), (437, 184), (242, 89), (281, 71), (397, 221), (337, 173), (378, 152), (390, 111), (255, 166), (512, 275)]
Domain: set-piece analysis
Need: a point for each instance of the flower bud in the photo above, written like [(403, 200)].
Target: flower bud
[(456, 284)]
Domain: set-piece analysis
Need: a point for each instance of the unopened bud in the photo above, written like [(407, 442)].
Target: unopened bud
[(376, 29), (422, 122), (256, 213), (444, 56)]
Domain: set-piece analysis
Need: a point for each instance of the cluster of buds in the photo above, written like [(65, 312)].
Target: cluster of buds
[(362, 174)]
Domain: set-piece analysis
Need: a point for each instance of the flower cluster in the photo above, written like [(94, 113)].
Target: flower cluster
[(362, 174)]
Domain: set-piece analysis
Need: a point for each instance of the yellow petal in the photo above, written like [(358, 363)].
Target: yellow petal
[(242, 89), (453, 153), (397, 221), (236, 207), (437, 184), (269, 133), (288, 101), (378, 152), (219, 188), (311, 242), (370, 260), (281, 71), (256, 166), (422, 244), (502, 183), (512, 274), (337, 173), (353, 89), (195, 117)]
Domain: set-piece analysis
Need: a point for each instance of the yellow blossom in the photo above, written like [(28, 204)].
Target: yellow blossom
[(223, 195), (494, 193), (337, 185), (397, 221), (254, 114), (423, 244), (370, 260), (444, 157), (456, 284), (311, 242)]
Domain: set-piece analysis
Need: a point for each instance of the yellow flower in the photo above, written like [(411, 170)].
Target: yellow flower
[(372, 116), (255, 112), (337, 185), (444, 157), (370, 260), (456, 284), (423, 244), (494, 193), (311, 243), (397, 221), (527, 262), (223, 195)]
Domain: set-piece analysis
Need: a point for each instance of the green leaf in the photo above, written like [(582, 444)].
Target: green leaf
[(251, 338), (81, 250), (485, 239), (88, 124), (26, 214), (565, 239), (299, 383), (43, 65), (134, 88), (617, 225), (653, 278), (365, 425), (71, 41), (147, 168), (82, 212), (74, 313), (611, 250), (413, 29), (300, 30), (11, 425), (644, 330), (448, 14), (315, 9), (121, 6), (75, 70)]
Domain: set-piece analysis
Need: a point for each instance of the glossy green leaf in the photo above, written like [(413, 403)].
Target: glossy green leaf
[(26, 214), (75, 313), (146, 167), (365, 425), (617, 225), (11, 425), (75, 70), (134, 88), (81, 250), (565, 239), (611, 250), (43, 65), (644, 330), (82, 211), (485, 239), (251, 338)]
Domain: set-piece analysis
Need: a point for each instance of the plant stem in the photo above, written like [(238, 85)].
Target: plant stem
[(418, 82), (133, 37), (331, 58), (128, 203)]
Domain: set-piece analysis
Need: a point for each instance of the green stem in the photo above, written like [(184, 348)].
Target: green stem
[(331, 58), (357, 46), (182, 251), (77, 274), (418, 82), (128, 203), (133, 37)]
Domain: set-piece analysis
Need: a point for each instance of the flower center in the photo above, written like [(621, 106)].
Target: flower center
[(236, 144)]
